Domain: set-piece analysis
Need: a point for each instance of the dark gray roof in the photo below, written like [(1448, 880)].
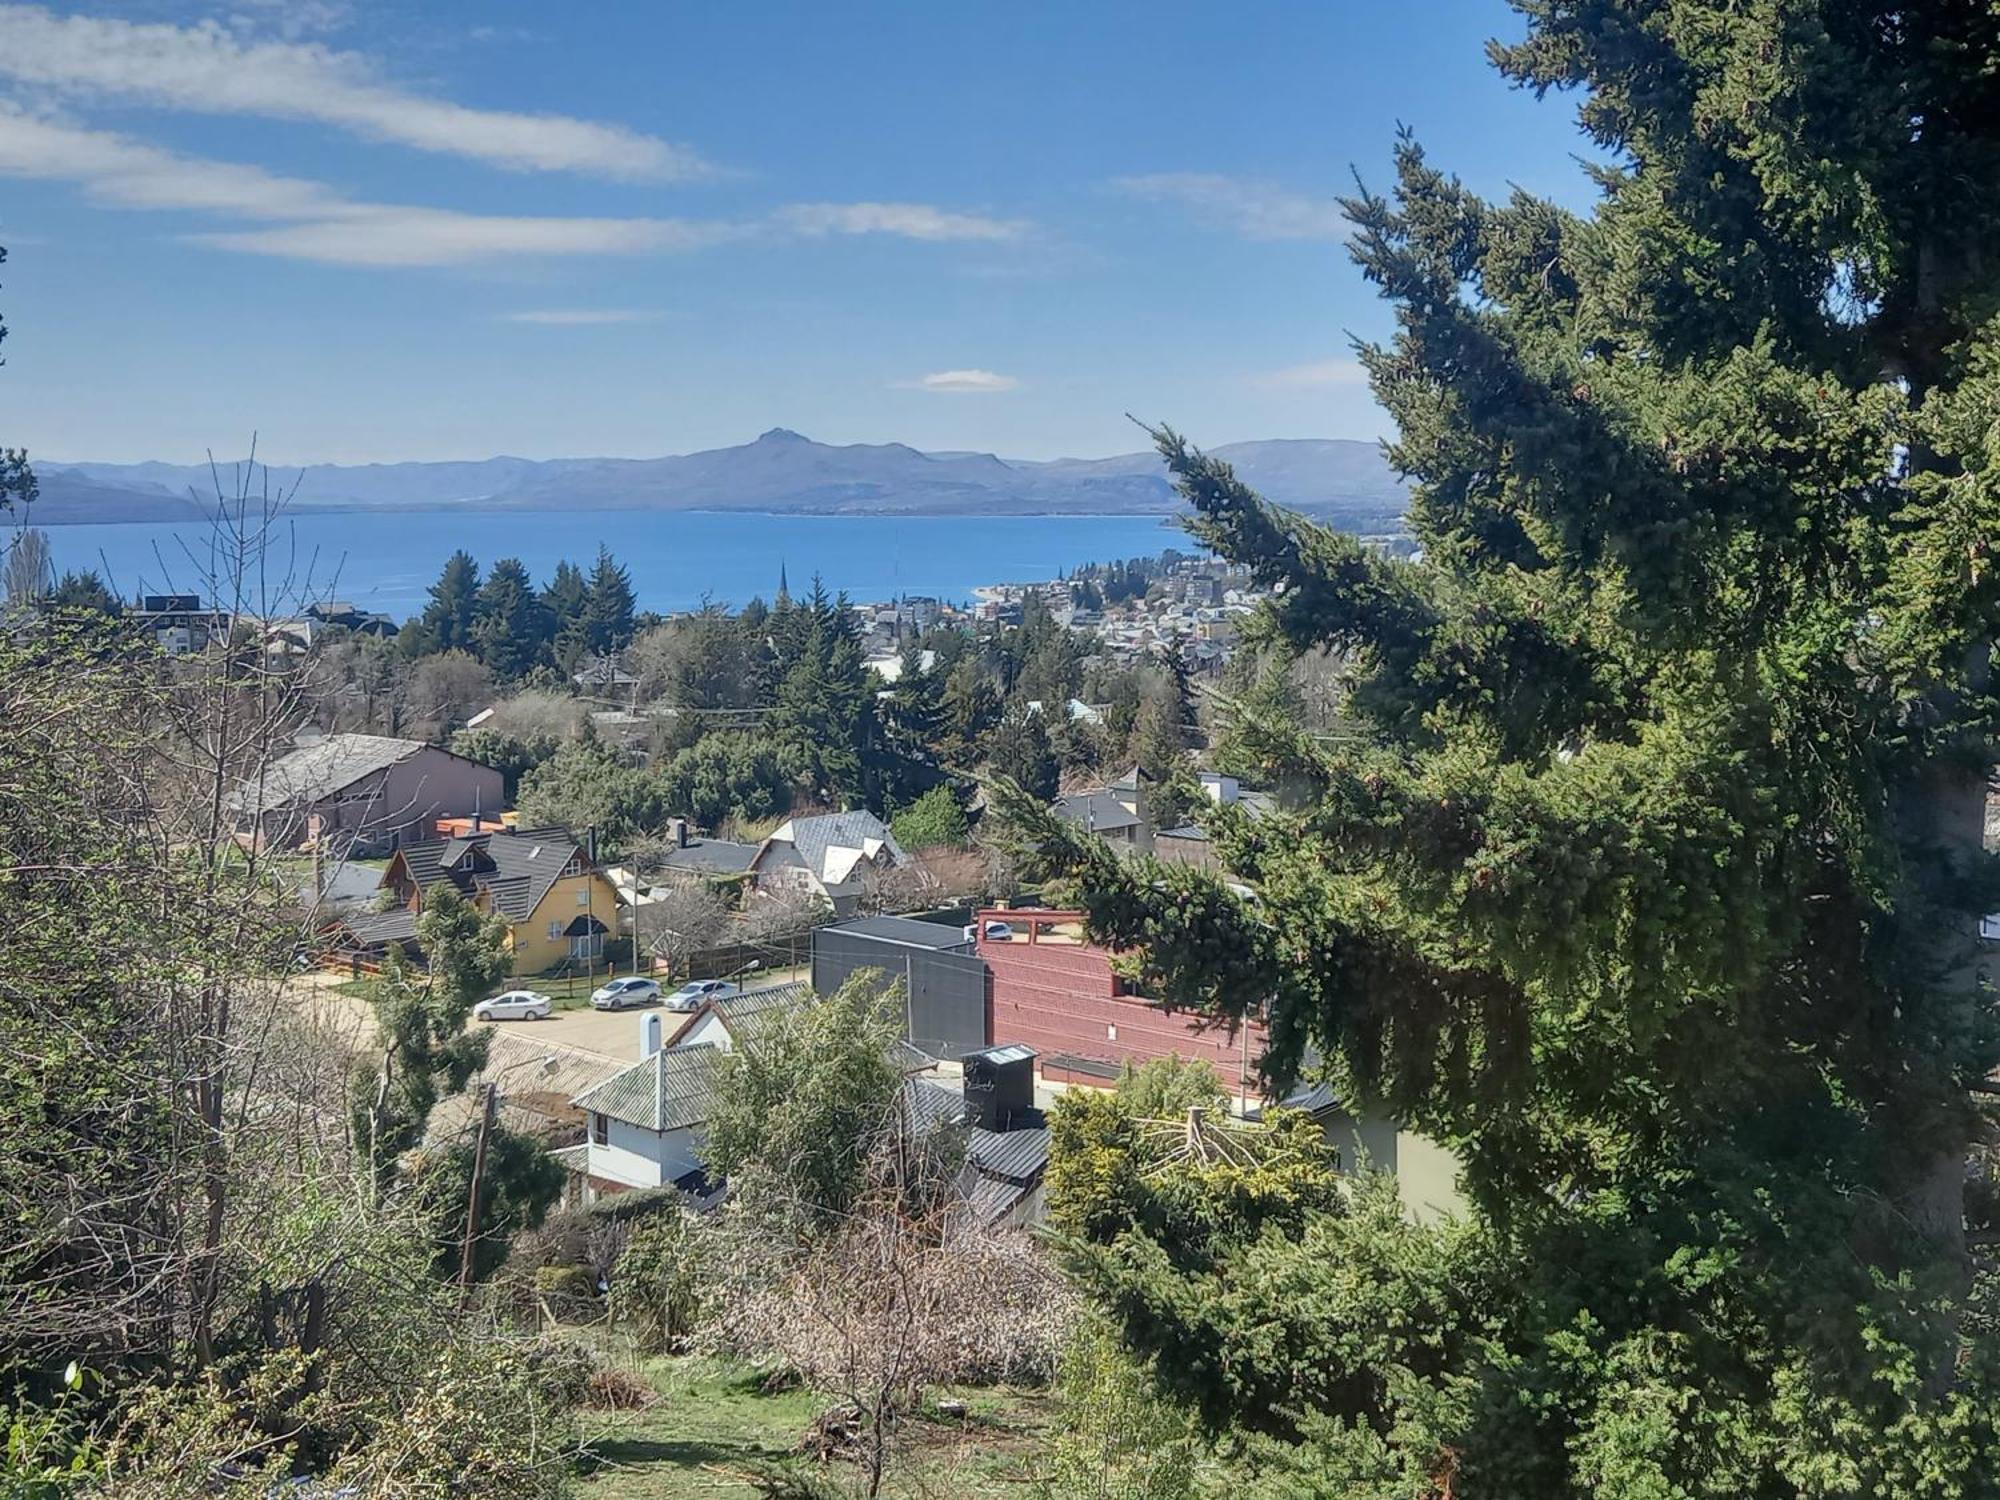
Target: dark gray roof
[(516, 869), (1017, 1155), (1098, 811), (906, 931), (993, 1200), (1313, 1100), (931, 1105), (671, 1090), (710, 857), (316, 771)]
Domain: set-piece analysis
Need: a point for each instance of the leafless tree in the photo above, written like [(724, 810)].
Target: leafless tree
[(687, 918), (29, 574)]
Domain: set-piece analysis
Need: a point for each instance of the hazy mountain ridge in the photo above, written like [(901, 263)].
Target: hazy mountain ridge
[(1343, 481)]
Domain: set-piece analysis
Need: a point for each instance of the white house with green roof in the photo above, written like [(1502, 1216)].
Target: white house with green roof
[(645, 1125)]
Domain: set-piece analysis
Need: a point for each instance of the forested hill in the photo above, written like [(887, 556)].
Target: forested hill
[(1346, 482)]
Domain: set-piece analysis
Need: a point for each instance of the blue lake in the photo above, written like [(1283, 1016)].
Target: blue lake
[(386, 560)]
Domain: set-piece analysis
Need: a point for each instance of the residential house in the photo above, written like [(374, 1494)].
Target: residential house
[(1426, 1173), (361, 794), (838, 857), (178, 623), (1118, 812), (557, 904), (1190, 844), (647, 1123), (692, 856)]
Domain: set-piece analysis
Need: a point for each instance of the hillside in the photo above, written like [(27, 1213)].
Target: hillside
[(1345, 482)]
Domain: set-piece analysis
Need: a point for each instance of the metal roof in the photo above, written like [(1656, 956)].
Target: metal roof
[(811, 839), (712, 856), (671, 1090), (906, 931), (1099, 812), (1017, 1155), (316, 771)]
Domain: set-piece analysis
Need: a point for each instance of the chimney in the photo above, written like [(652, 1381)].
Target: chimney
[(649, 1034)]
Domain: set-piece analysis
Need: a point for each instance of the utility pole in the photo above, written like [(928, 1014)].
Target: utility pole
[(486, 1112)]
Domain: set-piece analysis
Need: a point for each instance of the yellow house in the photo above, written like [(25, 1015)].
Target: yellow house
[(557, 904)]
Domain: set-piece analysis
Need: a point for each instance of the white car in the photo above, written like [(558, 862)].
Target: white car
[(620, 993), (515, 1005), (689, 996)]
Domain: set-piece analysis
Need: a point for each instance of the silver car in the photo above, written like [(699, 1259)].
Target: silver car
[(620, 993), (514, 1005), (689, 996)]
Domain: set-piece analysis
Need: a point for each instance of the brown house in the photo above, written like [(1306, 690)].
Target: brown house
[(363, 794)]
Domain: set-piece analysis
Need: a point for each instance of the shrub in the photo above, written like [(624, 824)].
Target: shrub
[(569, 1292), (655, 1287)]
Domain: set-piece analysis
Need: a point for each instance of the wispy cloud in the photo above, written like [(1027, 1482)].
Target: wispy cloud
[(581, 317), (300, 219), (376, 234), (962, 382), (207, 69), (915, 221), (1251, 207), (1320, 372)]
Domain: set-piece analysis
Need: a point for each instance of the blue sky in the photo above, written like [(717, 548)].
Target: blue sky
[(377, 232)]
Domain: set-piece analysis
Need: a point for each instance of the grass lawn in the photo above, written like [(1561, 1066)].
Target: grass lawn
[(714, 1421)]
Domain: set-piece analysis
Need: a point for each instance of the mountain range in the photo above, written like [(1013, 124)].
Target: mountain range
[(1345, 483)]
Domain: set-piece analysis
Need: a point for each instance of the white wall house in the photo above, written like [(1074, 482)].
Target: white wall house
[(645, 1126)]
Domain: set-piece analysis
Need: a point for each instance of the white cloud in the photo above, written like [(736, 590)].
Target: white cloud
[(915, 221), (387, 235), (580, 317), (963, 382), (208, 70), (1255, 209), (299, 219), (1320, 372)]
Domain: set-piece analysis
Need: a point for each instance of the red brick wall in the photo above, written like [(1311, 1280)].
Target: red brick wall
[(1059, 997)]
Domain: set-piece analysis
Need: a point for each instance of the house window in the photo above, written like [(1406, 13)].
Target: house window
[(555, 928), (600, 1129), (583, 897)]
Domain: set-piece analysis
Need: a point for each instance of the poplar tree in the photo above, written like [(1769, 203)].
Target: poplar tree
[(1651, 883)]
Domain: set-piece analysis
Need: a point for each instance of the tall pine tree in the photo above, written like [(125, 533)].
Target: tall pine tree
[(607, 608), (509, 630), (1653, 889), (448, 618)]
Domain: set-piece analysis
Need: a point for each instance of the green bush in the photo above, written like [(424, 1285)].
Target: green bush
[(656, 1285)]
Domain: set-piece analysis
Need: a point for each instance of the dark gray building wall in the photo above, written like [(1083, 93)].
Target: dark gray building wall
[(947, 1007)]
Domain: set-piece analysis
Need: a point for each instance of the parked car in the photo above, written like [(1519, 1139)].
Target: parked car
[(999, 932), (620, 993), (514, 1005), (689, 996)]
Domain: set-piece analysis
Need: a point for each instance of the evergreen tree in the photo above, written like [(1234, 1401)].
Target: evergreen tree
[(971, 707), (823, 718), (510, 626), (86, 592), (607, 608), (1654, 887), (1022, 752), (563, 603), (448, 618)]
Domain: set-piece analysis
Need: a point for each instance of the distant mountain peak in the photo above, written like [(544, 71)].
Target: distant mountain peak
[(782, 435)]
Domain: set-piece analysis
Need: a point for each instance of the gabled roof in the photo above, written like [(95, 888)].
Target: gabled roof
[(749, 1014), (824, 841), (326, 766), (673, 1089), (710, 857), (516, 870), (1098, 811)]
